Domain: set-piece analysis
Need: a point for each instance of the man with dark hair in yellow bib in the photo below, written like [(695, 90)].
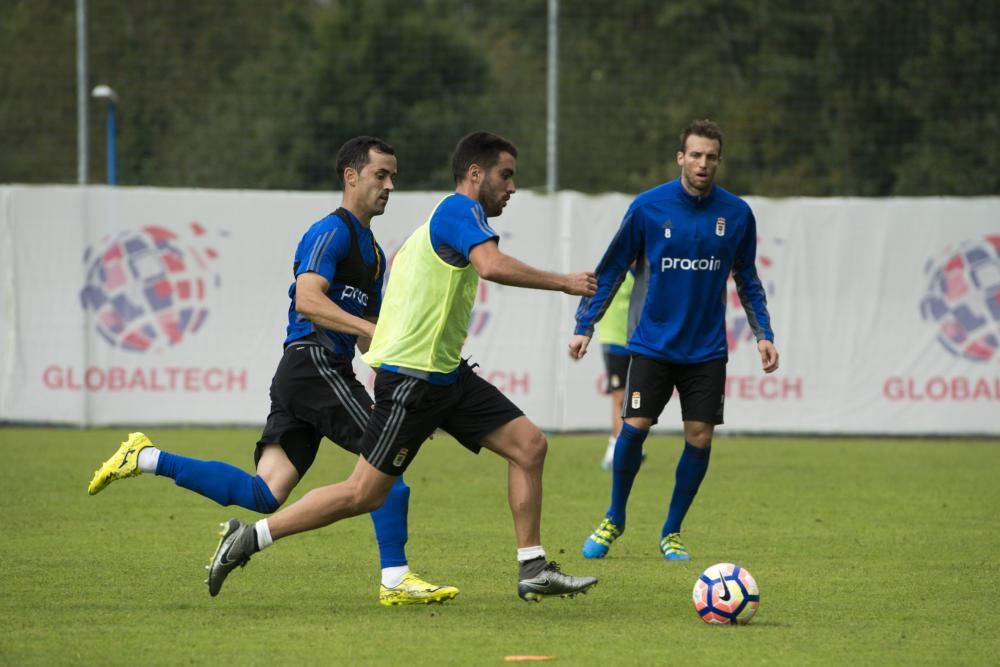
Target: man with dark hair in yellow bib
[(422, 383)]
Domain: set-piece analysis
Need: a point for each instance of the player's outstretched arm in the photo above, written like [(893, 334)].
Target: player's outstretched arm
[(495, 266), (768, 355), (578, 346), (313, 304)]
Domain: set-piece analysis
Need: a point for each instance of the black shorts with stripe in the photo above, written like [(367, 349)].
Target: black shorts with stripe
[(651, 382), (408, 410), (314, 393), (615, 370)]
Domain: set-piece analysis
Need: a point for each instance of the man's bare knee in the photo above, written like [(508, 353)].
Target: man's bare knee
[(363, 499), (520, 442), (699, 434), (531, 450), (537, 448), (641, 423), (278, 472), (280, 495)]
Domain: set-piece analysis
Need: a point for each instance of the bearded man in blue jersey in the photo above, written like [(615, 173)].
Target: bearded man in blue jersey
[(686, 236), (334, 304)]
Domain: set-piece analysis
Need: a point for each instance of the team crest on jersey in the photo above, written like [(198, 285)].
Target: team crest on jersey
[(400, 457), (636, 400), (720, 226)]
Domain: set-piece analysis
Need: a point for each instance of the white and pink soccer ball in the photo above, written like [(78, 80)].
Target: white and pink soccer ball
[(726, 594)]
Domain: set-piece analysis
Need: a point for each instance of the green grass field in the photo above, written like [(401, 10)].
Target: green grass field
[(866, 551)]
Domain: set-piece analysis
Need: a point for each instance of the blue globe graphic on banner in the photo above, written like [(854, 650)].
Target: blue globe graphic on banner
[(963, 299), (147, 288)]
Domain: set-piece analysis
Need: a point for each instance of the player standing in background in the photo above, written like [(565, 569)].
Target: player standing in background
[(422, 382), (613, 335), (335, 300), (685, 236)]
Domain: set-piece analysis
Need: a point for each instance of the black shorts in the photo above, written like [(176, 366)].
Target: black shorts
[(615, 370), (650, 383), (408, 410), (314, 393)]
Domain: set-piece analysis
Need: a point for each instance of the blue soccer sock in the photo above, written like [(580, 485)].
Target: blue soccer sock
[(390, 525), (691, 470), (221, 482), (628, 460)]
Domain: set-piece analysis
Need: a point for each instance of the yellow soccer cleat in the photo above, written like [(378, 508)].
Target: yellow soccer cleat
[(124, 463), (414, 590), (672, 548)]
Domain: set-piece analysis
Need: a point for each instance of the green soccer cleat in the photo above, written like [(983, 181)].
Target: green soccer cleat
[(600, 540), (124, 463), (414, 590), (672, 547)]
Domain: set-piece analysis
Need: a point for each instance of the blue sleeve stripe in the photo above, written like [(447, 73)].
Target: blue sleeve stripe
[(586, 301), (613, 265), (318, 250), (614, 251), (638, 299), (748, 285), (753, 300), (480, 216)]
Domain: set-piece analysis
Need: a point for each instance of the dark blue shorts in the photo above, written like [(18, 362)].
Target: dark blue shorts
[(408, 410), (314, 393), (615, 370), (651, 383)]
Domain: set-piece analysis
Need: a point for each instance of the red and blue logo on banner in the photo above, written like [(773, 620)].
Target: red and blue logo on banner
[(963, 299), (147, 288)]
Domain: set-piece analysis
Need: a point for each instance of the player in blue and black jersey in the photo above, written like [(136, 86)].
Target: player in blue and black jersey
[(686, 237), (334, 303)]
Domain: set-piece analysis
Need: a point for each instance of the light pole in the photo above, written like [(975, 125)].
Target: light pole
[(106, 93), (82, 144), (552, 101)]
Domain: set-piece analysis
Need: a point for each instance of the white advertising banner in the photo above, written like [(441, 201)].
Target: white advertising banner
[(137, 306)]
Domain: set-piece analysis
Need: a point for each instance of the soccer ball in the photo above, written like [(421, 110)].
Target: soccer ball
[(726, 594)]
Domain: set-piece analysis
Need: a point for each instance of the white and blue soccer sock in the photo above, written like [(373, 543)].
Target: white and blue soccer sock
[(221, 482), (628, 460), (391, 526), (691, 469)]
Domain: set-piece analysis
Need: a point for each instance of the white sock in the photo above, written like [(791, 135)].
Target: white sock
[(609, 453), (393, 576), (263, 534), (527, 553), (148, 458)]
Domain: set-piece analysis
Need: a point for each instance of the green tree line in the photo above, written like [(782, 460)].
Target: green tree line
[(847, 98)]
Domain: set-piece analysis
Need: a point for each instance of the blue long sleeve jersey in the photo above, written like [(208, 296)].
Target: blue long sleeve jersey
[(685, 248), (353, 263)]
